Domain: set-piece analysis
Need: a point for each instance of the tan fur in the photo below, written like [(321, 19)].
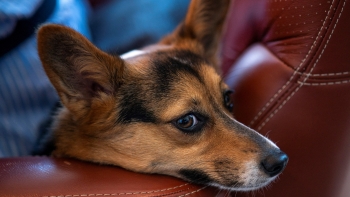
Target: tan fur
[(204, 23), (93, 87)]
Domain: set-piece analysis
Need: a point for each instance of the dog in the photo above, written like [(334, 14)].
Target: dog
[(164, 109)]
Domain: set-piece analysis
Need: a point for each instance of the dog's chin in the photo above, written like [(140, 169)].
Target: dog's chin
[(253, 180), (250, 186)]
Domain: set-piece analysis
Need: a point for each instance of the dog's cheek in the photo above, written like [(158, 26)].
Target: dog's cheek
[(196, 176), (218, 177), (228, 172)]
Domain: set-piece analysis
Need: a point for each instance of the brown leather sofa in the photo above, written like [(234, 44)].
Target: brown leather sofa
[(289, 64), (52, 177)]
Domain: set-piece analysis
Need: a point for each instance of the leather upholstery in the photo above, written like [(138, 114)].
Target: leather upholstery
[(52, 177), (289, 64)]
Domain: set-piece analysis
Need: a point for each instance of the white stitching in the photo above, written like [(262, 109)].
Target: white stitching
[(307, 76), (324, 84), (325, 74), (193, 191), (117, 194), (294, 73)]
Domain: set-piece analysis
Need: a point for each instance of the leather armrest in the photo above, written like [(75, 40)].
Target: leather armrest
[(289, 65), (59, 177)]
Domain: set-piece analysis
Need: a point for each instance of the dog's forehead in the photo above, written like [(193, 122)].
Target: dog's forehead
[(174, 67), (183, 68), (173, 64)]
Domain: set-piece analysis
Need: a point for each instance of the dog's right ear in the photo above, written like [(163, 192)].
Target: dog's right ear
[(78, 70)]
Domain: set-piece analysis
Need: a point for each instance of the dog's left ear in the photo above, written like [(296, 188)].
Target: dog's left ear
[(77, 69), (203, 24)]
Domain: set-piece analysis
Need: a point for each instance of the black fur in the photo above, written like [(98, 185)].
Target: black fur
[(196, 176), (45, 143), (133, 109), (168, 67)]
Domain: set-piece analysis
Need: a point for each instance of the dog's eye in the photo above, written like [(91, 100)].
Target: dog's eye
[(190, 123), (227, 100), (187, 122)]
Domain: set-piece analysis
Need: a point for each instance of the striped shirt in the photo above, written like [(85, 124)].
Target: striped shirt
[(26, 95)]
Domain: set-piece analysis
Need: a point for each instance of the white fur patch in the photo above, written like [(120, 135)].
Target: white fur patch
[(132, 53), (252, 179)]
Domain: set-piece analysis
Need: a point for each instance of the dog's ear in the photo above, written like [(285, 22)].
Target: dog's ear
[(77, 69), (203, 23)]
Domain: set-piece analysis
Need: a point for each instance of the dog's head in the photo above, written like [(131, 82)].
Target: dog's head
[(165, 110)]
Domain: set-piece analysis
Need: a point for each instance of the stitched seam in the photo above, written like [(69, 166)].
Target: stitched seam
[(118, 194), (294, 73), (193, 191), (324, 84), (307, 76), (325, 74)]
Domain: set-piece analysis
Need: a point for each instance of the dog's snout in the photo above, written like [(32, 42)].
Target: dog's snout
[(274, 163)]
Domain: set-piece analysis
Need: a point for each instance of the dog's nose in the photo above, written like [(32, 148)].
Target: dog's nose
[(274, 163)]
